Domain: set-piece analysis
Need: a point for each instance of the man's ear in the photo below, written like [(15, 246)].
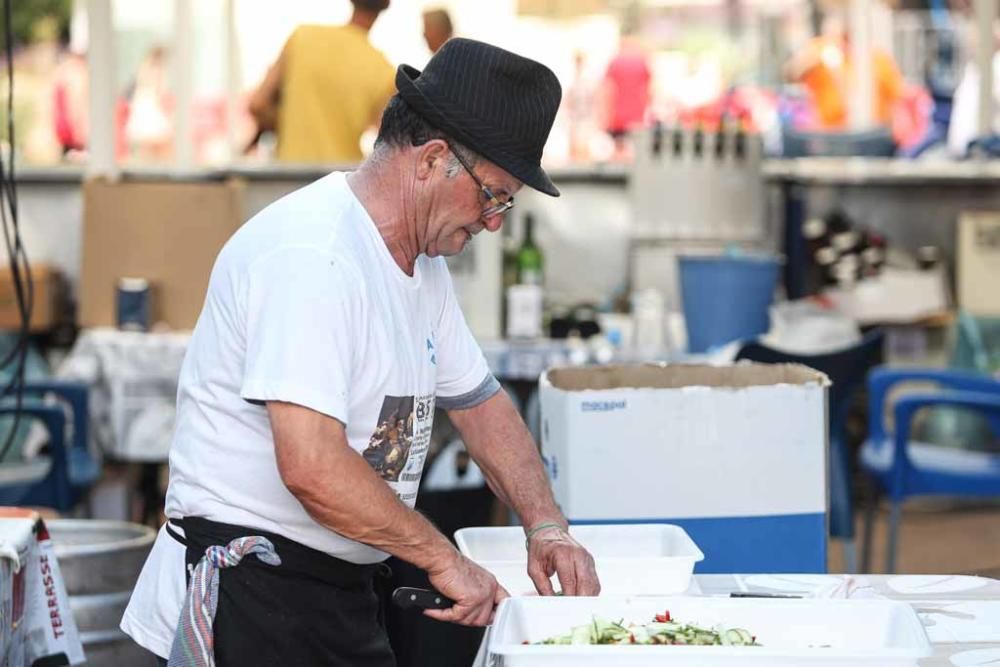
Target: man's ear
[(430, 156)]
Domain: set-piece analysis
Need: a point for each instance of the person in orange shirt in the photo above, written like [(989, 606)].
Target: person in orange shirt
[(328, 86), (824, 68)]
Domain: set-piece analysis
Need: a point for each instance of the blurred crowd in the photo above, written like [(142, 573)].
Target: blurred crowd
[(321, 97)]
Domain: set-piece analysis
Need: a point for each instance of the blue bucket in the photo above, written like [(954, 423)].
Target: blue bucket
[(726, 298)]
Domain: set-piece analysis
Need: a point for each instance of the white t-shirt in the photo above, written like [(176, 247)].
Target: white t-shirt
[(305, 305)]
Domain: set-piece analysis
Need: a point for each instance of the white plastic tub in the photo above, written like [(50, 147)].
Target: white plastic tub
[(791, 632), (632, 559)]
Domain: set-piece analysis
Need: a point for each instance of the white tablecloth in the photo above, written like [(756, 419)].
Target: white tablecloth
[(133, 380)]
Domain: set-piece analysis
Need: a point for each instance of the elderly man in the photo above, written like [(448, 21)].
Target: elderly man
[(329, 333)]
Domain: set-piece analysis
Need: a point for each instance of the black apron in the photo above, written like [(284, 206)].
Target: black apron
[(313, 609)]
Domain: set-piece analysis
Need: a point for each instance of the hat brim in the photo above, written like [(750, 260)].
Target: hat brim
[(449, 121)]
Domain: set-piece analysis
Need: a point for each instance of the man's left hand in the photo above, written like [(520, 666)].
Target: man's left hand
[(554, 551)]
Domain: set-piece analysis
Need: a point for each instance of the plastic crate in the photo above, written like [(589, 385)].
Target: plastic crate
[(790, 632), (653, 559)]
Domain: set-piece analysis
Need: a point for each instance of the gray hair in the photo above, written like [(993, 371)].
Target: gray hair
[(402, 126), (454, 167)]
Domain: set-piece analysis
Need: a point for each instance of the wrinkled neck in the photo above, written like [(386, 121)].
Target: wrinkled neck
[(386, 194)]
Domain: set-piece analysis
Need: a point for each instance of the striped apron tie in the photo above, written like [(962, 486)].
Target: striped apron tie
[(194, 643)]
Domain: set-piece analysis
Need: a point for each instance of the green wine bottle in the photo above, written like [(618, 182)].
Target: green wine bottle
[(530, 261)]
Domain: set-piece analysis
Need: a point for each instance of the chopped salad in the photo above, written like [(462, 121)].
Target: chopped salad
[(662, 630)]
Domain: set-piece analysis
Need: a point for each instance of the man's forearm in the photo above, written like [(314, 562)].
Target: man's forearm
[(341, 491), (504, 450)]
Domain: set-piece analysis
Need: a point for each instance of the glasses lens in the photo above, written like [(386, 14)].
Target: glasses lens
[(499, 209)]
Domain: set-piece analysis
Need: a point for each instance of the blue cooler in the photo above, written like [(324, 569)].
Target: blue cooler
[(726, 298)]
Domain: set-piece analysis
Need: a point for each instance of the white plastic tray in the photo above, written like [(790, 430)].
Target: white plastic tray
[(631, 559), (886, 633)]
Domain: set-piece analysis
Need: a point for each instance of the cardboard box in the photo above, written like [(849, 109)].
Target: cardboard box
[(49, 302), (978, 271), (736, 455), (167, 232)]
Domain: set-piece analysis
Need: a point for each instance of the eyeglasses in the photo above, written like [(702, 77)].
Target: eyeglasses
[(499, 207)]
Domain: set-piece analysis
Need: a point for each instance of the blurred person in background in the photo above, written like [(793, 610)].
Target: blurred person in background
[(149, 127), (626, 92), (579, 106), (327, 87), (437, 28), (39, 32), (964, 125), (824, 68), (70, 99)]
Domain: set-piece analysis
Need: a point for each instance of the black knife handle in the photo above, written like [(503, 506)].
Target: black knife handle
[(420, 598)]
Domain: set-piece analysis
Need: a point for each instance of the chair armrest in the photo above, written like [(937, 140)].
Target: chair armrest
[(881, 380), (907, 406), (76, 394), (54, 419)]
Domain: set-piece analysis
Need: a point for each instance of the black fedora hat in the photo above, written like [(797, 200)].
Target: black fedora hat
[(497, 103)]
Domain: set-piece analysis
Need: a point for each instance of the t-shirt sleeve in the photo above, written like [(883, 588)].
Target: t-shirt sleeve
[(464, 379), (303, 315)]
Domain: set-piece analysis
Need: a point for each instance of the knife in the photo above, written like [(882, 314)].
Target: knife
[(406, 597), (424, 598)]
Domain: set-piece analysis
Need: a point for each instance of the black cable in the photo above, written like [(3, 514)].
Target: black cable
[(16, 254)]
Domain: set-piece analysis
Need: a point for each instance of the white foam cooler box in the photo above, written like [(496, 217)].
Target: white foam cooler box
[(649, 559), (736, 455), (881, 633)]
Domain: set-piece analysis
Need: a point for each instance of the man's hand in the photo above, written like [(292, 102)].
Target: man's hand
[(553, 551), (475, 591)]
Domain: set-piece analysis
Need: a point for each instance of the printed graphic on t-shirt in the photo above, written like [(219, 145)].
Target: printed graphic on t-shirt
[(398, 447)]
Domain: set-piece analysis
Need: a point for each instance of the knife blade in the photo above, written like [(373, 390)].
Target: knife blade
[(406, 597)]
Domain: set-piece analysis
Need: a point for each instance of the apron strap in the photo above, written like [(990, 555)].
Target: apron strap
[(174, 534)]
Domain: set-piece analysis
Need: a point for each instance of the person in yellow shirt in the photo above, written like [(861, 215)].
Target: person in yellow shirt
[(825, 70), (328, 86)]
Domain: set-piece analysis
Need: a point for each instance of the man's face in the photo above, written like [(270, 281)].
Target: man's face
[(457, 217), (434, 34)]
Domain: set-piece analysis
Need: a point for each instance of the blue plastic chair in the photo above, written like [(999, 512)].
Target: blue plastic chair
[(847, 369), (60, 479), (902, 468)]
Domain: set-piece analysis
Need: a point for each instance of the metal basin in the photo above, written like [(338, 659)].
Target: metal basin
[(100, 556), (97, 613)]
